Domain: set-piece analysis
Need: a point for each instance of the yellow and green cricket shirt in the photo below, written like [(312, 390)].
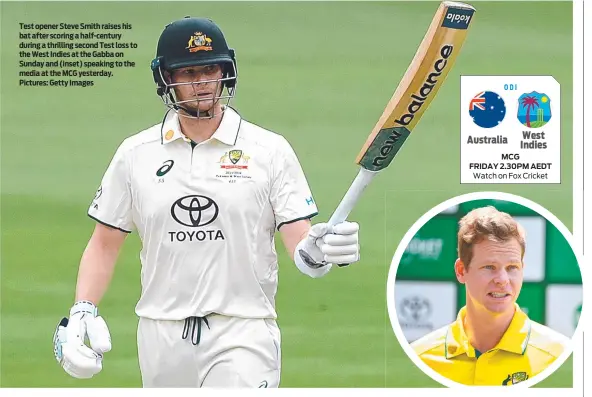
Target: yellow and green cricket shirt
[(525, 350)]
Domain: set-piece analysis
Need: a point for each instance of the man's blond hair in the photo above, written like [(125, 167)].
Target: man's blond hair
[(487, 223)]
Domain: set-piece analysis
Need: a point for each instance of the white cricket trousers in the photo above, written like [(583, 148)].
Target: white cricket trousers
[(215, 351)]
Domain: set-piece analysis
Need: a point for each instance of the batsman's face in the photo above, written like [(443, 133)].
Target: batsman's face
[(199, 85), (493, 278)]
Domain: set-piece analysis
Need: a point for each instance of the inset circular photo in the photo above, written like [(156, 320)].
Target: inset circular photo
[(485, 290)]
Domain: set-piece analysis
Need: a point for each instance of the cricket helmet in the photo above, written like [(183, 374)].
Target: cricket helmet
[(192, 42)]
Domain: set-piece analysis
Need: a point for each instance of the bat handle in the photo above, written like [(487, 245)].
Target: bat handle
[(352, 196)]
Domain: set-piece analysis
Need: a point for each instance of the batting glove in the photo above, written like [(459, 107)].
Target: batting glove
[(77, 359), (325, 245)]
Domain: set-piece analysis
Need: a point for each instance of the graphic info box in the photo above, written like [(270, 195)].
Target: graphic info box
[(510, 129)]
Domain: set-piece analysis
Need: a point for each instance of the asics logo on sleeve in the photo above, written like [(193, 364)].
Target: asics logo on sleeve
[(165, 168)]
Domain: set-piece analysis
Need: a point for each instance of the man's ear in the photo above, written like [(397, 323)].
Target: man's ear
[(168, 77), (460, 271)]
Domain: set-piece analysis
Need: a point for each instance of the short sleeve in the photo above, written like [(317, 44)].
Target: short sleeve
[(291, 198), (112, 204)]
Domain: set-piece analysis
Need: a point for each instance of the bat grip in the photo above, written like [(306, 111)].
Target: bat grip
[(352, 196)]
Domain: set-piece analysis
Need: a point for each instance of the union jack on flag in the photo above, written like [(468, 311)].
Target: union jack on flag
[(477, 102)]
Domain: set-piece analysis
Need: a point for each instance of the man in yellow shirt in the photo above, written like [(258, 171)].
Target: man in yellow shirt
[(492, 342)]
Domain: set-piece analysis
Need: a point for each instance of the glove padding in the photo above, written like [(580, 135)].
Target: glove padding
[(325, 245), (77, 359)]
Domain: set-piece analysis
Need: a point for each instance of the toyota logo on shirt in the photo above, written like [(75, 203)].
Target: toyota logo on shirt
[(194, 210)]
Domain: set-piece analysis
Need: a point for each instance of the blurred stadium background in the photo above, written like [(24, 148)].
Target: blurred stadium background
[(428, 296), (320, 73)]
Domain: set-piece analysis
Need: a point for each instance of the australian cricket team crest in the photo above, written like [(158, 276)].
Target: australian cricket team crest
[(235, 156), (234, 159), (199, 42), (234, 165), (516, 377)]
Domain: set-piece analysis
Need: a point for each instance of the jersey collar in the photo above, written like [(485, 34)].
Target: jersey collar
[(514, 340), (171, 129), (226, 133)]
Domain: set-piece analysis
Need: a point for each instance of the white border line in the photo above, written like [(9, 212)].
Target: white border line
[(578, 183), (583, 174)]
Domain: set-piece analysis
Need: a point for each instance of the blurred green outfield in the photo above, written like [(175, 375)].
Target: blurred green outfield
[(318, 73)]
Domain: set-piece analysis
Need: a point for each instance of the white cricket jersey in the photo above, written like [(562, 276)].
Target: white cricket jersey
[(206, 215)]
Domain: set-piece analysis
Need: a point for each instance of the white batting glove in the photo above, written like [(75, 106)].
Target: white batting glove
[(77, 359), (325, 246)]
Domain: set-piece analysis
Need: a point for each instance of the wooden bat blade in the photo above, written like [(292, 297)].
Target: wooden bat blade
[(424, 76), (420, 84)]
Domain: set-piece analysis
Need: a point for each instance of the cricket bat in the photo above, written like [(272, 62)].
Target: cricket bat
[(420, 84)]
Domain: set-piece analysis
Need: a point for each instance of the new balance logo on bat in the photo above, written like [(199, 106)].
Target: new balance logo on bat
[(383, 149), (386, 148), (419, 99)]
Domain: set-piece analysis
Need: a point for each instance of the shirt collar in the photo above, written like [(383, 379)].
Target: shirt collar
[(226, 133), (514, 340), (171, 129)]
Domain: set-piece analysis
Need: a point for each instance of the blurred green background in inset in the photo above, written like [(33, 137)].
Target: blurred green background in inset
[(319, 73), (428, 295)]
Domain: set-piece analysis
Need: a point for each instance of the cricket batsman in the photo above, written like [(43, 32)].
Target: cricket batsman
[(206, 190), (492, 342)]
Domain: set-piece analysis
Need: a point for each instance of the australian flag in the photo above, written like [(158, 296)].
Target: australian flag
[(487, 109)]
